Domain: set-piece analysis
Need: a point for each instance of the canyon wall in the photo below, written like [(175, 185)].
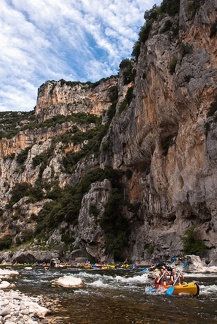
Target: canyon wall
[(165, 138)]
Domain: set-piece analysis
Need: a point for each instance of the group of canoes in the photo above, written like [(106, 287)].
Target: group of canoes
[(86, 265), (103, 266)]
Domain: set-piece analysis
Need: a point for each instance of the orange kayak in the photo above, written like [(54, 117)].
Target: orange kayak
[(191, 288)]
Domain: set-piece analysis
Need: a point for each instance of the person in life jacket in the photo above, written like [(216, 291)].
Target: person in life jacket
[(175, 278), (162, 277)]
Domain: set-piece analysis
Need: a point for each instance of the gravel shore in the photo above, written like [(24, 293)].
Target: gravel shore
[(17, 308)]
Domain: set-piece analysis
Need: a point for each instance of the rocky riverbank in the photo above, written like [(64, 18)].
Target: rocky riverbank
[(17, 308)]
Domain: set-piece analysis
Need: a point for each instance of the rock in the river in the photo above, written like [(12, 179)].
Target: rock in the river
[(69, 282), (5, 273), (195, 264), (5, 284)]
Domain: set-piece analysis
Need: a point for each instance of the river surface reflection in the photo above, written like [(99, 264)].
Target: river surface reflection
[(118, 296)]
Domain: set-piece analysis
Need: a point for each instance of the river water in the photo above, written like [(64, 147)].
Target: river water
[(118, 296)]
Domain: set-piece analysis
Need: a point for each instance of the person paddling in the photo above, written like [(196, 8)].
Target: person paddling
[(162, 277), (176, 278)]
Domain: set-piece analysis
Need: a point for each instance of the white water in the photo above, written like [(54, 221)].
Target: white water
[(138, 281), (116, 293)]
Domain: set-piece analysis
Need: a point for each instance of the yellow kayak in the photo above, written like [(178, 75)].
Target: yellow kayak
[(108, 267), (191, 288), (88, 266)]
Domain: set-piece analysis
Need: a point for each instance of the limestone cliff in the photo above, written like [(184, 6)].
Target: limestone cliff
[(63, 97), (137, 167), (163, 136)]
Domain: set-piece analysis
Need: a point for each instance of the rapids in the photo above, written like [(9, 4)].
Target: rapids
[(117, 296)]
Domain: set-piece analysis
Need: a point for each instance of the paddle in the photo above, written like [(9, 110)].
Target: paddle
[(173, 260), (170, 290), (153, 288), (155, 266)]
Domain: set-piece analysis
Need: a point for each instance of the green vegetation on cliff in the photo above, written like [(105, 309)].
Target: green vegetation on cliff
[(67, 203), (115, 224), (11, 122), (192, 244), (167, 7)]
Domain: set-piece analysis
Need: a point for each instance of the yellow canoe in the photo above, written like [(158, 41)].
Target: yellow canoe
[(108, 267), (191, 288), (88, 266)]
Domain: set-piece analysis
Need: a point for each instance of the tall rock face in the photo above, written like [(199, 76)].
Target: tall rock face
[(123, 167), (51, 150), (90, 232), (164, 135), (62, 97)]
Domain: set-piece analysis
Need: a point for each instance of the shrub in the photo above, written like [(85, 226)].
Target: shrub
[(27, 235), (113, 94), (36, 193), (136, 50), (125, 64), (128, 74), (122, 106), (129, 96), (192, 244), (41, 170), (171, 7), (111, 111), (149, 248), (115, 225), (152, 14), (90, 177), (69, 83), (5, 242), (22, 156), (69, 161), (40, 158), (175, 30), (194, 5), (19, 191), (55, 193), (145, 31), (172, 65), (10, 156), (185, 48), (168, 24), (23, 189)]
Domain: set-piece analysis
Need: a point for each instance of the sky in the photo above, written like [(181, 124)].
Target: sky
[(74, 40)]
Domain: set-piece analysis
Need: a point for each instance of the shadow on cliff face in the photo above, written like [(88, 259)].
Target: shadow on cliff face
[(25, 258)]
